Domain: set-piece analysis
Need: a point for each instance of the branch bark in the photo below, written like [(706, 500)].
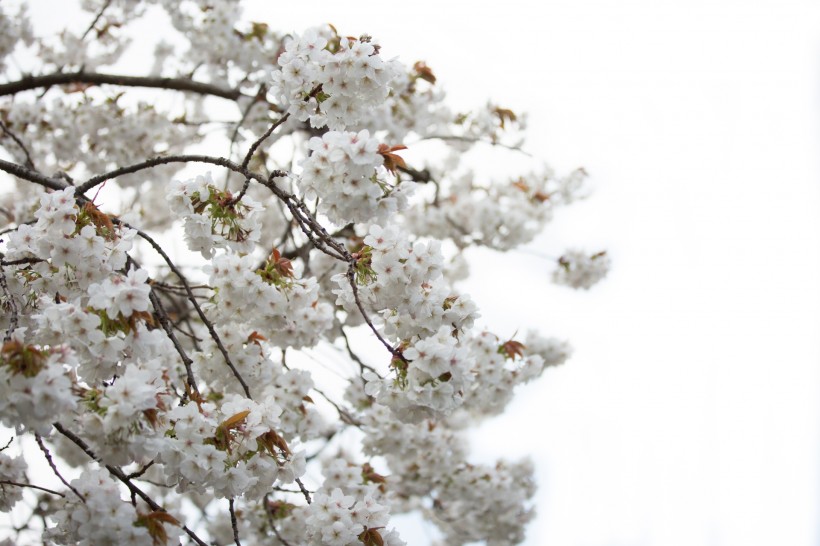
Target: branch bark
[(30, 82)]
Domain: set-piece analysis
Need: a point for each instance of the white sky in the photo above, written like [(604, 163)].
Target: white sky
[(690, 413)]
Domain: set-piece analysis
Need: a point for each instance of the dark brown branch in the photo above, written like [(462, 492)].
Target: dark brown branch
[(27, 174), (153, 162), (234, 525), (30, 82)]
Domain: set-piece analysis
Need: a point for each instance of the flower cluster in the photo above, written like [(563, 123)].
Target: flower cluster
[(34, 384), (337, 519), (485, 503), (578, 269), (13, 29), (102, 517), (96, 126), (284, 309), (213, 218), (239, 382), (331, 80), (499, 216), (229, 450), (12, 469), (344, 170), (403, 284), (71, 248), (124, 421)]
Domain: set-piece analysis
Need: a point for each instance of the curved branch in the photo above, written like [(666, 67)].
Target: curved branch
[(27, 174), (29, 82), (153, 162)]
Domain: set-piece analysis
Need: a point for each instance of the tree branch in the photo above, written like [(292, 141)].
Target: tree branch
[(16, 484), (27, 174), (234, 525), (29, 82), (53, 466)]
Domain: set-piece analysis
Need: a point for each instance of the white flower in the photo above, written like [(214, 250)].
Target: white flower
[(580, 270)]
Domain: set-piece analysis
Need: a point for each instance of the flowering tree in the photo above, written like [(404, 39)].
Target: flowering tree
[(231, 394)]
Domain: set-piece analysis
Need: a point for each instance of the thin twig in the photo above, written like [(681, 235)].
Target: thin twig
[(29, 163), (208, 324), (354, 356), (460, 138), (169, 331), (32, 486), (245, 113), (46, 452), (351, 277), (343, 413), (96, 19), (271, 522), (304, 490), (141, 471), (234, 525), (252, 150), (262, 139)]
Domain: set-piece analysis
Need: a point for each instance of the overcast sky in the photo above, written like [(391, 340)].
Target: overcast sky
[(690, 413)]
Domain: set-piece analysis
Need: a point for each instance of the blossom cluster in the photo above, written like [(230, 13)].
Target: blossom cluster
[(270, 299), (100, 516), (339, 519), (68, 245), (500, 367), (331, 80), (403, 284), (234, 382), (13, 29), (498, 216), (213, 218), (34, 384), (12, 470), (344, 171), (578, 269)]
